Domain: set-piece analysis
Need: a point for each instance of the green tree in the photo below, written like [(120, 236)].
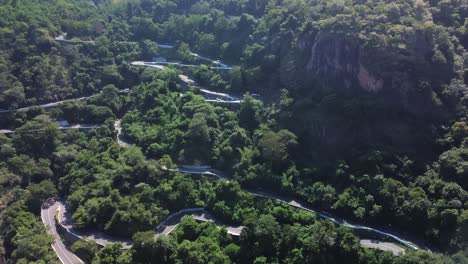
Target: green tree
[(276, 147), (39, 193), (198, 138), (36, 138), (112, 254), (85, 249), (149, 49), (250, 113)]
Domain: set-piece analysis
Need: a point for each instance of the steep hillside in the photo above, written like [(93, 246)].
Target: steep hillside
[(356, 110)]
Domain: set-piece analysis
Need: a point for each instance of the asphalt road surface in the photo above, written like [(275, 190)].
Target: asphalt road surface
[(201, 171), (78, 126), (297, 204), (206, 170), (199, 214), (100, 238), (48, 105), (386, 246), (53, 104), (165, 228), (65, 255), (335, 220)]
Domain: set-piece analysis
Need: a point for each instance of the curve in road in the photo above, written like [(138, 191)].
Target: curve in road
[(221, 98), (297, 204), (207, 170), (48, 218), (199, 214), (382, 245), (62, 39), (102, 239), (166, 227), (335, 220)]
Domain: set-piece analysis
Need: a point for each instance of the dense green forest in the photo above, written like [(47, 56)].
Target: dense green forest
[(363, 113)]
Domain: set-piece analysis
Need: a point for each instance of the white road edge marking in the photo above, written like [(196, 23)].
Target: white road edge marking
[(56, 238)]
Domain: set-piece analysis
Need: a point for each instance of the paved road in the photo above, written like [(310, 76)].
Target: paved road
[(170, 224), (219, 101), (148, 64), (164, 228), (199, 214), (100, 238), (6, 131), (219, 95), (216, 97), (215, 62), (171, 46), (186, 79), (48, 105), (62, 39), (329, 217), (301, 206), (65, 255), (206, 170), (78, 126), (166, 46), (386, 246), (53, 104), (160, 64), (202, 170)]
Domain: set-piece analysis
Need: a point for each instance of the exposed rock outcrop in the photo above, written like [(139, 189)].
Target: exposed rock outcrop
[(355, 91), (367, 81)]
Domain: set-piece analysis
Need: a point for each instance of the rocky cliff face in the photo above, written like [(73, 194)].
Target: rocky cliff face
[(381, 95), (333, 60), (338, 62), (367, 81)]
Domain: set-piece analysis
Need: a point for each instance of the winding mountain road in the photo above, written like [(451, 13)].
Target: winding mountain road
[(171, 63), (335, 220), (297, 204), (48, 218), (53, 104), (220, 101), (382, 245), (165, 228), (49, 211), (215, 62), (102, 239), (211, 96), (48, 105), (62, 39), (207, 170), (200, 170), (78, 126), (199, 214), (147, 64)]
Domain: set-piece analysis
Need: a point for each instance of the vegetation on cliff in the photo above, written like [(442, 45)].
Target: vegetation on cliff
[(363, 114)]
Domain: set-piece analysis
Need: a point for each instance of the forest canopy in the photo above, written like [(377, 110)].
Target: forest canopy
[(357, 108)]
